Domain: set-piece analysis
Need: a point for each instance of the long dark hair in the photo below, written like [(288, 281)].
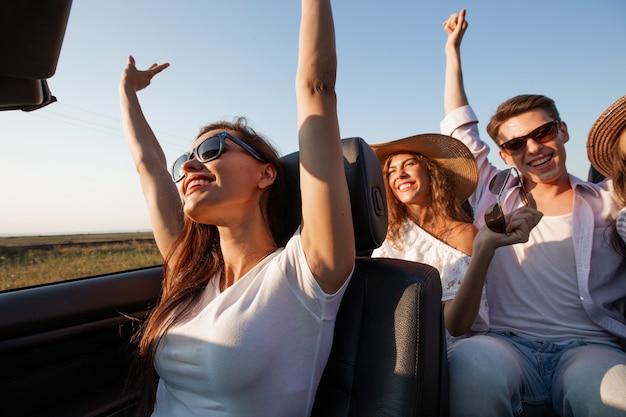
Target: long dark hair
[(187, 270)]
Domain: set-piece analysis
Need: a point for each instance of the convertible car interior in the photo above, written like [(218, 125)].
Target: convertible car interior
[(66, 348)]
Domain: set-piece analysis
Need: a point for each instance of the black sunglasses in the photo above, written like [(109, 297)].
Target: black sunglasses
[(494, 216), (542, 134), (209, 149)]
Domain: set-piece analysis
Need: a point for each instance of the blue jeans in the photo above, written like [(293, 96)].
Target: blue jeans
[(506, 375)]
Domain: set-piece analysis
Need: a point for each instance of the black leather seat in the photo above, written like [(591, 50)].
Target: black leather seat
[(594, 176), (389, 355)]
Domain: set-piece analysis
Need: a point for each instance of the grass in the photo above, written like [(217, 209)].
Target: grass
[(34, 260)]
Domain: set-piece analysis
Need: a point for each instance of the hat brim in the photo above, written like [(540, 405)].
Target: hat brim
[(603, 135), (452, 155)]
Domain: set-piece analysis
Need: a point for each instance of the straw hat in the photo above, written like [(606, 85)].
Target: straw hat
[(452, 155), (603, 134)]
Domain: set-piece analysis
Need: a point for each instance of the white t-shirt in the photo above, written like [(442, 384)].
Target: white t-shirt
[(539, 298), (256, 349), (420, 246)]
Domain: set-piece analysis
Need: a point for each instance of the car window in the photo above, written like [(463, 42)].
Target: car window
[(65, 212), (27, 261)]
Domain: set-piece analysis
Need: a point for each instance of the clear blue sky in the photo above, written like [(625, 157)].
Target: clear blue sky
[(66, 168)]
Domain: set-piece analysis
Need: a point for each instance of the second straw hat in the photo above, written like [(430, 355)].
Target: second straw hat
[(603, 135)]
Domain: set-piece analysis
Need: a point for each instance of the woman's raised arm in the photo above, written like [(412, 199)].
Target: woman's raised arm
[(327, 231), (160, 193)]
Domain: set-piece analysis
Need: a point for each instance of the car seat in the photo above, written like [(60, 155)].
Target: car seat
[(388, 356)]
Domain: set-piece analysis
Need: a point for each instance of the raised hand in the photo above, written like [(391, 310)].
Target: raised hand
[(164, 203), (135, 79), (454, 92), (455, 27)]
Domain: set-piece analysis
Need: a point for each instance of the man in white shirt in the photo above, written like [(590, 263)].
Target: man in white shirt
[(556, 310)]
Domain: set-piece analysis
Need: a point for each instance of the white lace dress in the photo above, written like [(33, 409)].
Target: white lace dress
[(421, 246)]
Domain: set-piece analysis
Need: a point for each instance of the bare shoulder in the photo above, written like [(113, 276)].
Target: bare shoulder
[(461, 236)]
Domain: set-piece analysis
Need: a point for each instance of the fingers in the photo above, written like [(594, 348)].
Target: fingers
[(130, 63), (153, 69), (456, 22), (519, 224), (461, 19), (521, 221), (134, 79), (450, 24), (158, 68), (527, 213), (461, 22)]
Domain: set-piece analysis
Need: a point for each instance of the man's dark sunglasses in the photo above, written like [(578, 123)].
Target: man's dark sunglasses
[(542, 134), (494, 216), (209, 149)]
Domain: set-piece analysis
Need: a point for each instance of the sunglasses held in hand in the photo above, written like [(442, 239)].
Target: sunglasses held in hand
[(494, 216), (209, 149)]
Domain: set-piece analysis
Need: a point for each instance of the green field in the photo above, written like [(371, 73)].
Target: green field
[(33, 260)]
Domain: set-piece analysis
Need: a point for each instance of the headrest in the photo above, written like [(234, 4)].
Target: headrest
[(367, 192)]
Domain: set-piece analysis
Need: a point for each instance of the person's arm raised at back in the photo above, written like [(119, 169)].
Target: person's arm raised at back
[(454, 91), (327, 231), (160, 193)]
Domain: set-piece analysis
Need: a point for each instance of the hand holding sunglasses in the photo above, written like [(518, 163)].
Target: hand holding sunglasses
[(494, 216)]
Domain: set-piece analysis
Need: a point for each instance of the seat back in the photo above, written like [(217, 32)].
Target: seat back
[(389, 354), (367, 193), (593, 175)]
